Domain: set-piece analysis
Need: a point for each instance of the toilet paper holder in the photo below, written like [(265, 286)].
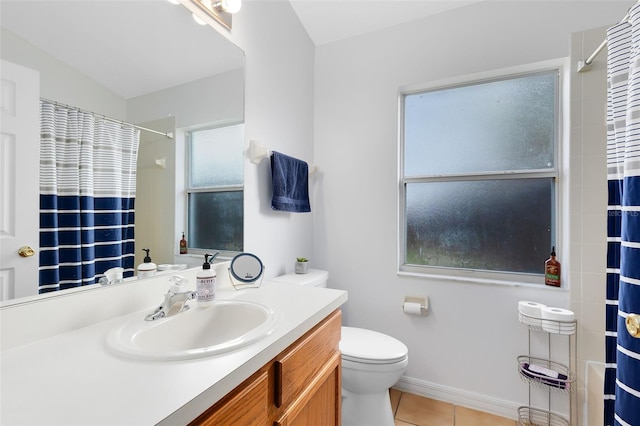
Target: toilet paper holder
[(415, 305)]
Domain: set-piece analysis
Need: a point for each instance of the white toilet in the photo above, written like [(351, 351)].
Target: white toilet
[(372, 362)]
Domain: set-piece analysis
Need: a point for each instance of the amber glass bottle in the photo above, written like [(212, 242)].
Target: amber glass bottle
[(552, 270), (183, 245)]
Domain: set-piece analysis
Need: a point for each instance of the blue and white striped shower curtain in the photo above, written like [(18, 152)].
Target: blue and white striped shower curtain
[(87, 197), (622, 375)]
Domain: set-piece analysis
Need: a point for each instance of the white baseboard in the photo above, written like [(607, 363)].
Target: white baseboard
[(499, 407)]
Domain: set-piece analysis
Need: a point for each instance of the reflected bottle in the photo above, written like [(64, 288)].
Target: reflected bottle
[(147, 268), (552, 270), (183, 245)]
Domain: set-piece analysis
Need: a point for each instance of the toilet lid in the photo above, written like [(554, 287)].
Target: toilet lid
[(370, 347)]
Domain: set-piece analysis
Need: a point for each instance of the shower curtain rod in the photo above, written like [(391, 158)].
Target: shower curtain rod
[(104, 117), (586, 64)]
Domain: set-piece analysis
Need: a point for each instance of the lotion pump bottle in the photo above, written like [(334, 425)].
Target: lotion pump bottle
[(206, 283), (552, 270), (147, 268)]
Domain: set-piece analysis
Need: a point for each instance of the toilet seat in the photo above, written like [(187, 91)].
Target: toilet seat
[(370, 347)]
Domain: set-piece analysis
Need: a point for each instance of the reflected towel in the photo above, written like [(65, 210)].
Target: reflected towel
[(290, 180)]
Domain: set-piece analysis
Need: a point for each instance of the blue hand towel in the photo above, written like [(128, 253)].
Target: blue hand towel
[(290, 180)]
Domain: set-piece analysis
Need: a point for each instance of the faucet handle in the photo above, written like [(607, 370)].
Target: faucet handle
[(178, 284), (112, 276)]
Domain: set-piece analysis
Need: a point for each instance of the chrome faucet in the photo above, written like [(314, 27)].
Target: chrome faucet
[(174, 301)]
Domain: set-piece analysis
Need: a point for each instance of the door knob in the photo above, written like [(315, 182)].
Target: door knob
[(26, 251), (633, 325)]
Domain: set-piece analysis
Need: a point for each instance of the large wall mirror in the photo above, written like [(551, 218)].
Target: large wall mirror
[(143, 62)]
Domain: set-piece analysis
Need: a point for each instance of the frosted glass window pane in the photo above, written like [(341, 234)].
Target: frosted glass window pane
[(491, 126), (492, 225), (215, 220), (216, 157)]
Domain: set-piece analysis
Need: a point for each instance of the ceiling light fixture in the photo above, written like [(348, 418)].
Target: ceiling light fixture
[(231, 6), (220, 10)]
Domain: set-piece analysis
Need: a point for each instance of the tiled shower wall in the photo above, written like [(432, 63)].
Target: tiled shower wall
[(588, 200)]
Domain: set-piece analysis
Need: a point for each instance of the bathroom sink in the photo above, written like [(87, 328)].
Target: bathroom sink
[(222, 327)]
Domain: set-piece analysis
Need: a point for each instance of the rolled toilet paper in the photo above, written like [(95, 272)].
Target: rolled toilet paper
[(412, 308), (531, 312), (558, 320)]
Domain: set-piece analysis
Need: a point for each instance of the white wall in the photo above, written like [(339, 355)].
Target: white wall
[(465, 349), (215, 99), (279, 114), (59, 82)]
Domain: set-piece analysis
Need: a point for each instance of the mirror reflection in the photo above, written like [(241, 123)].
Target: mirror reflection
[(146, 63)]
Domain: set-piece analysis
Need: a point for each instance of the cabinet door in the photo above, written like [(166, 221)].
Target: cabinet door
[(298, 365), (247, 405), (320, 403)]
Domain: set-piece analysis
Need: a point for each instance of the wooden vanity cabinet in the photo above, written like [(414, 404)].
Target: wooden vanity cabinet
[(308, 377), (319, 403), (248, 404), (299, 387)]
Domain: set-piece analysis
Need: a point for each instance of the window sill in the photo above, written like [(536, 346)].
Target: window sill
[(482, 281)]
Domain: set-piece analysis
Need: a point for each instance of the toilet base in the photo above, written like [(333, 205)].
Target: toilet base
[(371, 409)]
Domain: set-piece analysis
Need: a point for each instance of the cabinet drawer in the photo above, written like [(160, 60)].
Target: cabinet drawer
[(296, 367)]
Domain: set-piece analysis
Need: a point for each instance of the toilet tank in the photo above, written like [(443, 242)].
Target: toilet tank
[(313, 278)]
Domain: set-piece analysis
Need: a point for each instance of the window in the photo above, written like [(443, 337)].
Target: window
[(215, 188), (479, 176)]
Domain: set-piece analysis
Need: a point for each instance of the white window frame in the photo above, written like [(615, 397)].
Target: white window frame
[(183, 188), (478, 276)]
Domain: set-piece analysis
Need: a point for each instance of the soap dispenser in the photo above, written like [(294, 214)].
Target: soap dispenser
[(206, 283), (147, 268)]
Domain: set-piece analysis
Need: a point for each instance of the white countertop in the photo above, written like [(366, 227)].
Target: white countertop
[(74, 379)]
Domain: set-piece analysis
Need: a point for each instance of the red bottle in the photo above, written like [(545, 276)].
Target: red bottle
[(552, 270), (183, 245)]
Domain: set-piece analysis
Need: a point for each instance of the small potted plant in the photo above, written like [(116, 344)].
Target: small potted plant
[(302, 265)]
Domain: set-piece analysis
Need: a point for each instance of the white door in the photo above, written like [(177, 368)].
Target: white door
[(19, 185)]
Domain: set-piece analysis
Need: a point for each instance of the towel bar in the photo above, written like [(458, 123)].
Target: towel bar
[(257, 152)]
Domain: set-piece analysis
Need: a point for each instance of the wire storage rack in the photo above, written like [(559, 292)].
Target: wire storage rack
[(548, 374), (544, 373), (528, 416)]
